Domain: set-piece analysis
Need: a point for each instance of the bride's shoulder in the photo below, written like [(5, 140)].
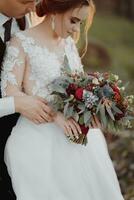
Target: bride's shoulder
[(21, 41), (24, 36)]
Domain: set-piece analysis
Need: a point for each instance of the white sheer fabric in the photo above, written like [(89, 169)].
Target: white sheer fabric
[(33, 67), (42, 163)]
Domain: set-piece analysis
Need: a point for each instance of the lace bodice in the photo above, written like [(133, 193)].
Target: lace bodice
[(29, 68)]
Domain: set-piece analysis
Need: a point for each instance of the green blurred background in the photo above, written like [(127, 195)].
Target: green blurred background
[(111, 48)]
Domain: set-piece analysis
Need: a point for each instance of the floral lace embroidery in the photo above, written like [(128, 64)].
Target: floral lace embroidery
[(11, 59), (45, 66), (73, 56)]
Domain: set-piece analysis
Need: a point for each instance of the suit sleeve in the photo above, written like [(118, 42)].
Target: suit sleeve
[(7, 106)]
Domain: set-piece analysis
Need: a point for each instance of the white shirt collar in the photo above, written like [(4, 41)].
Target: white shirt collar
[(3, 19)]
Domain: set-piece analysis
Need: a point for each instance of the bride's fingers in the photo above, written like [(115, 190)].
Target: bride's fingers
[(76, 126), (66, 132), (46, 117), (73, 128), (69, 131)]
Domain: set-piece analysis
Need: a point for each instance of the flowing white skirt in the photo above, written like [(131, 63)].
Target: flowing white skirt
[(44, 165)]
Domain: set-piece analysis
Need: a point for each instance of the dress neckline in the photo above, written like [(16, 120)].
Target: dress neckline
[(33, 41)]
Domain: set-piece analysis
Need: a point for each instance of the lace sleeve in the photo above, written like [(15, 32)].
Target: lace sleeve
[(73, 55), (13, 68)]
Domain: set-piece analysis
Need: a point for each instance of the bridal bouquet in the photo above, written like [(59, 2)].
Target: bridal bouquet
[(81, 95)]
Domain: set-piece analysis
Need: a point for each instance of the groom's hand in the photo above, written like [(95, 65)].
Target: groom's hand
[(33, 108)]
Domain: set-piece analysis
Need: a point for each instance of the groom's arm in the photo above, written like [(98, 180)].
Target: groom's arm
[(13, 74), (7, 106), (28, 106)]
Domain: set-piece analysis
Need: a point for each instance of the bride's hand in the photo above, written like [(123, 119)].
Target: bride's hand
[(70, 126)]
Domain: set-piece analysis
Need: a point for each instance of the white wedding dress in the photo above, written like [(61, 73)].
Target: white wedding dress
[(42, 163)]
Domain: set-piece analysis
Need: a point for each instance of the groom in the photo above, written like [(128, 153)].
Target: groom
[(30, 107)]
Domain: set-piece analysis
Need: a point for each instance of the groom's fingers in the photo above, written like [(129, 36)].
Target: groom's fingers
[(48, 110), (46, 117), (45, 106), (41, 99), (41, 119)]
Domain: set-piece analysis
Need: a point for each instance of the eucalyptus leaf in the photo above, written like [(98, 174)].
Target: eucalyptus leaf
[(88, 122), (69, 112), (59, 89), (82, 108), (81, 120), (129, 117), (98, 107), (103, 116), (76, 116), (69, 99), (108, 108), (117, 110), (87, 116), (66, 108), (126, 85)]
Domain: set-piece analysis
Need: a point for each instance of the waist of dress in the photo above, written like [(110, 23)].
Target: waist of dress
[(23, 122)]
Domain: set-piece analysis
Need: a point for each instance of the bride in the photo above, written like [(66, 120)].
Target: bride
[(42, 163)]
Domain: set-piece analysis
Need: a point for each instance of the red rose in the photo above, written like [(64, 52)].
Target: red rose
[(117, 97), (79, 94), (84, 129), (71, 89), (116, 89)]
